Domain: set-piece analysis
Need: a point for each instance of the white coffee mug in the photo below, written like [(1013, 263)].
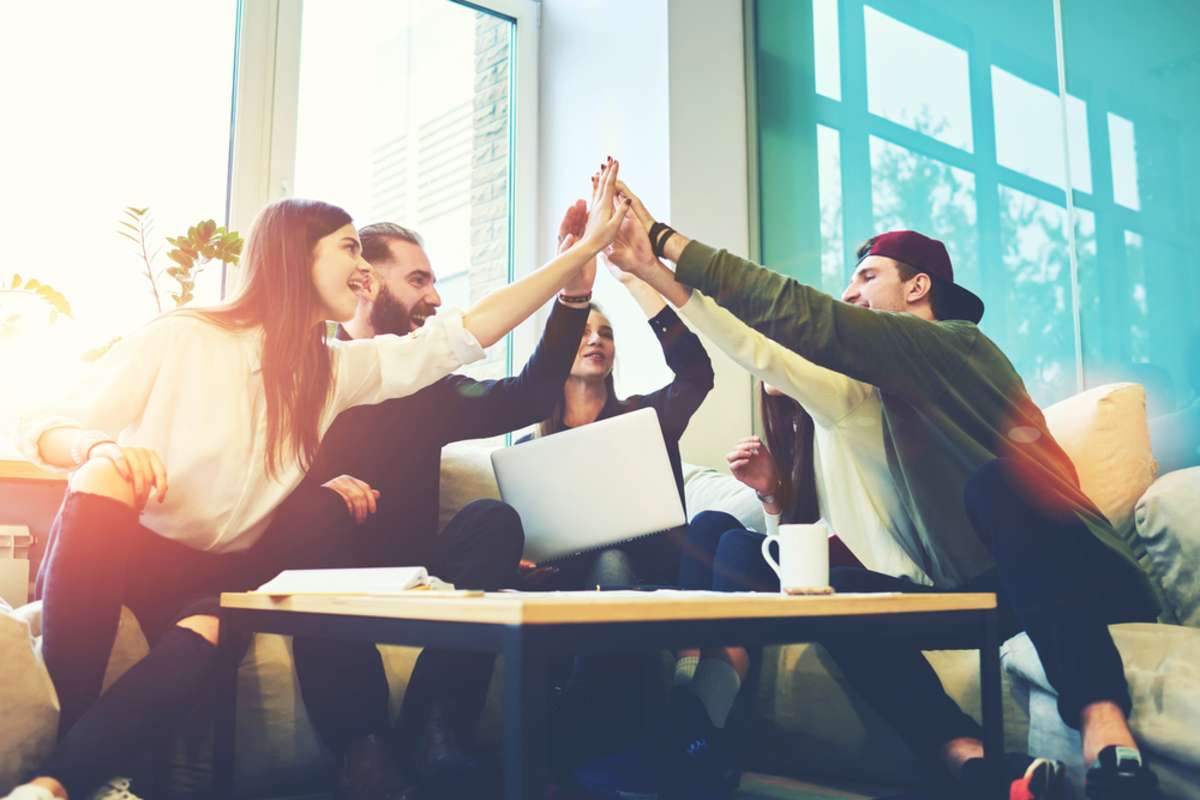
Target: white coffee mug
[(803, 556)]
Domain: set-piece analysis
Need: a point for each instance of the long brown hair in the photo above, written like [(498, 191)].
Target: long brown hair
[(789, 433), (277, 294), (554, 423)]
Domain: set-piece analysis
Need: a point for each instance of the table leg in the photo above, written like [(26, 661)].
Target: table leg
[(225, 716), (990, 688), (525, 743)]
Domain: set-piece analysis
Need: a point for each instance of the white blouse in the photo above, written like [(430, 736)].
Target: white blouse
[(856, 494), (192, 392)]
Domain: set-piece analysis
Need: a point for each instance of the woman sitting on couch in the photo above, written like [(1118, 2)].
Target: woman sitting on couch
[(230, 402)]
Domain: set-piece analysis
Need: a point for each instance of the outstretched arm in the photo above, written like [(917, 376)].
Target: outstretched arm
[(896, 352), (502, 310)]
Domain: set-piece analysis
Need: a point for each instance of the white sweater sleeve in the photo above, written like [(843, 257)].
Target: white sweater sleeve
[(111, 396), (369, 371), (827, 395)]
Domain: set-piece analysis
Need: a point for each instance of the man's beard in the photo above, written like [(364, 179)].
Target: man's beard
[(388, 315)]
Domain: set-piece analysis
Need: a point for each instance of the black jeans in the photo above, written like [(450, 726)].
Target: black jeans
[(1053, 580), (722, 555), (343, 683)]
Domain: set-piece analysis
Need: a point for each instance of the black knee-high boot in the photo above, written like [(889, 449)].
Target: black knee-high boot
[(83, 590), (124, 722)]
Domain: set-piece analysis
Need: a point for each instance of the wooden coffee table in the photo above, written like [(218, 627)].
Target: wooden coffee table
[(526, 629)]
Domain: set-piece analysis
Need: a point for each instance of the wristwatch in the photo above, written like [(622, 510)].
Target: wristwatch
[(766, 499)]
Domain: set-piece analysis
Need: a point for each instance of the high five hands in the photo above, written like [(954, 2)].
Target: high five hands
[(630, 251)]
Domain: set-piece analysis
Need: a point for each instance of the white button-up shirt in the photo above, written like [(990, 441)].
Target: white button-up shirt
[(193, 392), (856, 493)]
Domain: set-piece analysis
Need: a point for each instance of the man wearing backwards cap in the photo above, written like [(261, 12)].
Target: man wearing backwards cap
[(995, 501)]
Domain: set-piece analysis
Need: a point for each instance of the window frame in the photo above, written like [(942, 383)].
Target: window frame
[(267, 86)]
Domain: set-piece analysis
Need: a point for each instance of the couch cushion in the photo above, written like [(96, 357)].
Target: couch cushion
[(30, 706), (1168, 522), (1104, 432), (467, 476), (707, 489), (1162, 665)]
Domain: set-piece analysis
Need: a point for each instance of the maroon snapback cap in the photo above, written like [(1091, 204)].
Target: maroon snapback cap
[(929, 255)]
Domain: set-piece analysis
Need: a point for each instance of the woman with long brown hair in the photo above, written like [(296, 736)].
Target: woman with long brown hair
[(229, 404)]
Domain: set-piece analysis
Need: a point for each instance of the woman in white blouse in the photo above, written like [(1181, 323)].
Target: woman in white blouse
[(189, 443)]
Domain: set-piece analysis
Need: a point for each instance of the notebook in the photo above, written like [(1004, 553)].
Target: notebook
[(591, 487)]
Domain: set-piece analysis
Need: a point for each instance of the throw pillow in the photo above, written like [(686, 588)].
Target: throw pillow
[(1168, 522), (1104, 432)]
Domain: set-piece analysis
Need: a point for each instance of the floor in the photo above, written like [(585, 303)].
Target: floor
[(757, 786)]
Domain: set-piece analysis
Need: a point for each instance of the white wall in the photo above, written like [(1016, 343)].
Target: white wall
[(658, 84), (709, 178)]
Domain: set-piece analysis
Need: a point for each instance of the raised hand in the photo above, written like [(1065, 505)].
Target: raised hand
[(630, 250), (574, 220), (570, 231), (752, 463), (604, 218), (636, 206)]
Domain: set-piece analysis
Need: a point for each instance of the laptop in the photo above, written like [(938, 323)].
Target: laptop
[(591, 487)]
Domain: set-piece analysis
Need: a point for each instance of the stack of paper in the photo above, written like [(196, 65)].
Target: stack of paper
[(373, 580)]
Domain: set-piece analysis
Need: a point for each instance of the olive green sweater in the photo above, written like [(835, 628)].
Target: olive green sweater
[(951, 402)]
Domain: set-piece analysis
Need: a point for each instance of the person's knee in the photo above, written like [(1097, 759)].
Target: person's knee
[(709, 525), (614, 567), (99, 476), (502, 525), (206, 626), (738, 544)]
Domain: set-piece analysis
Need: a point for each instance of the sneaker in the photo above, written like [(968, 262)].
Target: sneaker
[(700, 762), (115, 789), (632, 774), (1043, 779), (1119, 774), (1028, 778)]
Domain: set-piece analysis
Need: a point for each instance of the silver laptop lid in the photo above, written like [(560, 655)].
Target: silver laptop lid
[(590, 487)]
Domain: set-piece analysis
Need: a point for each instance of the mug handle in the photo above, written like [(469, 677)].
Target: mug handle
[(766, 554)]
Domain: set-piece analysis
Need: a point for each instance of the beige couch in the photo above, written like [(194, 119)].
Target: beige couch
[(807, 721)]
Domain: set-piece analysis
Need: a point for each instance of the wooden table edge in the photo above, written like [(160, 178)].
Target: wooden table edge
[(585, 608)]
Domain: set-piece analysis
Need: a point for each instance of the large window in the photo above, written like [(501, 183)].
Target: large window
[(1049, 156), (421, 112), (412, 125), (137, 116)]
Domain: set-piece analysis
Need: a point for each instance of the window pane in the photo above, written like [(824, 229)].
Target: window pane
[(826, 52), (137, 116), (1031, 318), (411, 125), (930, 92), (1123, 151), (916, 192), (1029, 131), (833, 245)]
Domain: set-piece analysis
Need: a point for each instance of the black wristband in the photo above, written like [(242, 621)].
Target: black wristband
[(659, 234)]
